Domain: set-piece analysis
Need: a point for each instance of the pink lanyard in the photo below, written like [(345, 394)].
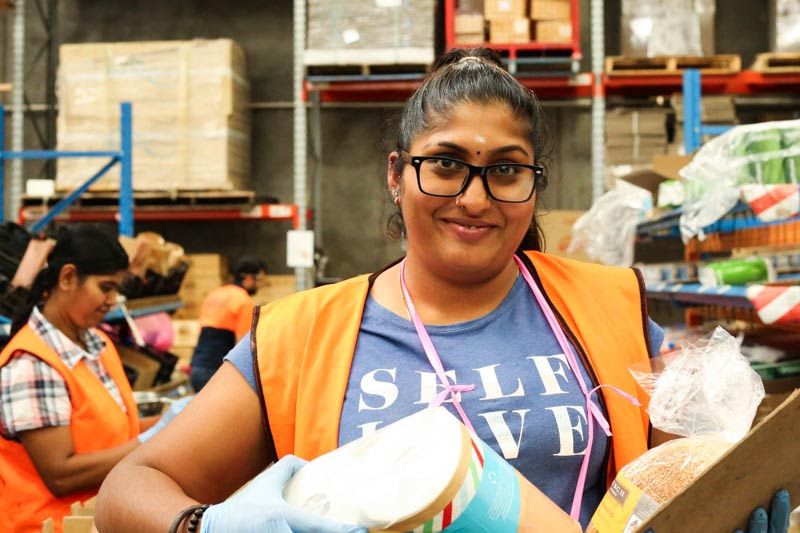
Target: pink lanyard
[(453, 390)]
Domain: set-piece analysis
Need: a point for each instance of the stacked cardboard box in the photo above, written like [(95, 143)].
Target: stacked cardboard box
[(366, 32), (667, 27), (552, 20), (508, 21), (186, 332), (635, 136), (275, 287), (206, 273), (191, 124), (714, 109), (469, 28)]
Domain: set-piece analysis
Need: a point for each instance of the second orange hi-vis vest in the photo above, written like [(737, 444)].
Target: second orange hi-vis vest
[(229, 307), (305, 345), (97, 423)]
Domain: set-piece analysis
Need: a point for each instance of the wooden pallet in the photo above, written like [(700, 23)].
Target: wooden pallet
[(368, 62), (150, 198), (672, 65), (777, 63), (367, 69)]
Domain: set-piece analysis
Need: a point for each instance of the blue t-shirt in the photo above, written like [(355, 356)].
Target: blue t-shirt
[(527, 404)]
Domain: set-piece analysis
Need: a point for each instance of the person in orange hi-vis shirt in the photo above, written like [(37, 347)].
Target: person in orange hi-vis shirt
[(225, 317)]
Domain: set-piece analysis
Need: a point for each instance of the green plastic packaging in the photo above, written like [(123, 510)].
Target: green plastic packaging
[(736, 272)]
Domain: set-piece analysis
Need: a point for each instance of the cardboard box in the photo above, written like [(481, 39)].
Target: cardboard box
[(512, 30), (191, 122), (505, 9), (553, 31), (275, 287), (669, 166), (643, 121), (551, 9), (746, 477), (468, 23), (557, 228), (470, 38)]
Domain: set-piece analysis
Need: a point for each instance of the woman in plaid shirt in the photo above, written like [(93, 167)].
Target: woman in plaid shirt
[(67, 413)]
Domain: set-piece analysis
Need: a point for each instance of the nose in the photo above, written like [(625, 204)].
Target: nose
[(475, 198)]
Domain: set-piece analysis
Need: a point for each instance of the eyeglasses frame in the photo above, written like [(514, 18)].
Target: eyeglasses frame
[(417, 160)]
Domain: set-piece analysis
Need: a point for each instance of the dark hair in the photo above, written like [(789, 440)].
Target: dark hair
[(247, 265), (93, 252), (473, 75)]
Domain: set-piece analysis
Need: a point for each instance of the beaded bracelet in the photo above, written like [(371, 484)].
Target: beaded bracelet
[(195, 511)]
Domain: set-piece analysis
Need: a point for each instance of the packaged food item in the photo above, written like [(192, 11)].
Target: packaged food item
[(737, 271), (708, 394), (425, 473)]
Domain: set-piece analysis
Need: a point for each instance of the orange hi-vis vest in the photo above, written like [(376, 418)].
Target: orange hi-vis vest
[(97, 423), (229, 307), (305, 344)]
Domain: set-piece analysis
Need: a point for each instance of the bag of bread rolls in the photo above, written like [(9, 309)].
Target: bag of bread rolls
[(424, 472), (708, 394)]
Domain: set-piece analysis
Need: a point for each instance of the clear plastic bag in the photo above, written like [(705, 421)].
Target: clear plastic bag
[(767, 153), (707, 393), (607, 231)]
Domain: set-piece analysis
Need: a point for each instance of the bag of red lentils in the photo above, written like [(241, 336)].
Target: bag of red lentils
[(705, 393)]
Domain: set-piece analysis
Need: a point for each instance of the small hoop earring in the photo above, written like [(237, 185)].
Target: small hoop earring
[(395, 196)]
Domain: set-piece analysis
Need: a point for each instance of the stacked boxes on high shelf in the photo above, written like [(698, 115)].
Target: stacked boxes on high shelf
[(515, 22), (634, 136), (552, 20), (191, 119), (715, 109), (508, 21), (651, 28), (368, 33)]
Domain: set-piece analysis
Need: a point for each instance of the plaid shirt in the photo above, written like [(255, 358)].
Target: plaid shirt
[(33, 395)]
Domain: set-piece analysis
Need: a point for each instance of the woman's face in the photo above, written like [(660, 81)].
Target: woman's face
[(470, 237), (92, 298)]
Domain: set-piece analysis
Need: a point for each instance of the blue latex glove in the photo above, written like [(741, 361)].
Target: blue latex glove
[(778, 519), (171, 412), (260, 508)]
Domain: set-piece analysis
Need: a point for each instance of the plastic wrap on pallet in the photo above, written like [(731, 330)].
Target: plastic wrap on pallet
[(667, 27), (786, 29), (391, 31), (764, 154), (191, 123)]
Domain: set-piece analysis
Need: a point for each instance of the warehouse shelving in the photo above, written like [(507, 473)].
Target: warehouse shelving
[(696, 293), (145, 306)]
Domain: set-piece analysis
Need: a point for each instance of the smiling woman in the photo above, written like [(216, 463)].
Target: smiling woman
[(475, 316), (67, 413)]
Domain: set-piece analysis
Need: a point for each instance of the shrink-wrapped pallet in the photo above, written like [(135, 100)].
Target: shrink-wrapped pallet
[(191, 124)]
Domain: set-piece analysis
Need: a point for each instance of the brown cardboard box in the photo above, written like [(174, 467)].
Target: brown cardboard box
[(557, 228), (670, 165), (553, 31), (275, 287), (551, 9), (191, 121), (206, 273), (511, 30), (504, 9), (468, 23), (470, 38), (746, 477)]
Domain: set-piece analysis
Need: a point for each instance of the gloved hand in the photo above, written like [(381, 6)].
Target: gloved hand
[(778, 519), (260, 508), (171, 412)]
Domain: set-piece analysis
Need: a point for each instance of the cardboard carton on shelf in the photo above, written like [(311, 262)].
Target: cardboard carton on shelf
[(510, 30), (504, 9), (551, 9), (557, 228)]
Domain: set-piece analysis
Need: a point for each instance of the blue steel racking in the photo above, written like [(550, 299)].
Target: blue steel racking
[(693, 128), (123, 156)]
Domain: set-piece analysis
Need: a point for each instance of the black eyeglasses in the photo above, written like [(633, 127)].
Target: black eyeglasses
[(448, 177)]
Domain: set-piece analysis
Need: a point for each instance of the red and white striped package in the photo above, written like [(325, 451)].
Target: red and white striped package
[(772, 202), (776, 304)]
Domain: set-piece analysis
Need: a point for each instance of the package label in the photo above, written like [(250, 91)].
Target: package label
[(624, 508), (495, 506)]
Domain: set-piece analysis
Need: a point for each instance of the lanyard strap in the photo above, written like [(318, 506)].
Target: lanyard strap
[(433, 357), (594, 414)]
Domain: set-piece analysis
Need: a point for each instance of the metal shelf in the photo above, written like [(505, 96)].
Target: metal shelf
[(695, 293), (287, 212)]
